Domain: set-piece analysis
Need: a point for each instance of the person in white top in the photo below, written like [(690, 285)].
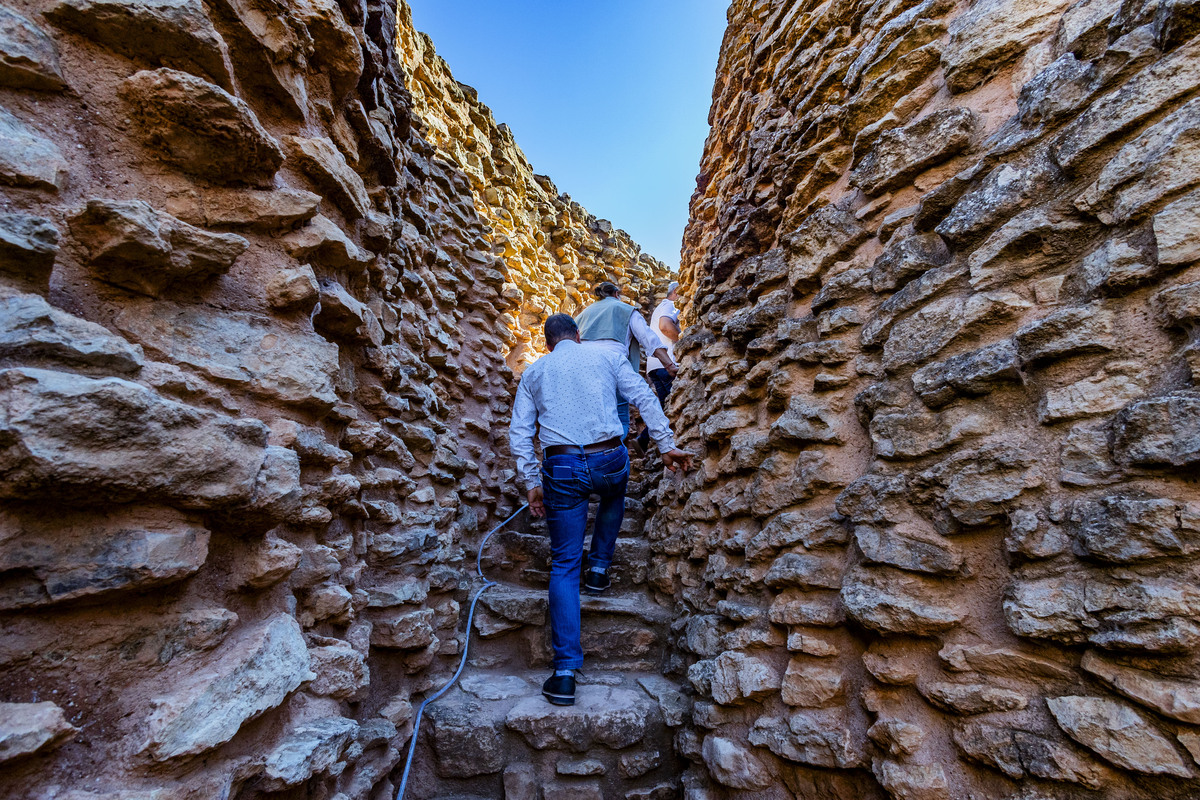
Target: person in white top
[(664, 322)]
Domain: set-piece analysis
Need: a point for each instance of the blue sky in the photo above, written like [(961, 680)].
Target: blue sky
[(610, 99)]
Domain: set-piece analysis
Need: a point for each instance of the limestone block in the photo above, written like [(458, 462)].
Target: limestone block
[(1153, 88), (1118, 734), (1019, 754), (270, 562), (907, 257), (253, 209), (27, 728), (739, 678), (917, 433), (936, 325), (1176, 230), (336, 48), (810, 686), (1117, 266), (28, 247), (271, 47), (323, 242), (891, 601), (1106, 391), (28, 57), (309, 749), (52, 558), (166, 33), (817, 737), (899, 738), (34, 333), (823, 238), (69, 424), (1008, 189), (1162, 161), (1124, 529), (206, 708), (970, 374), (28, 159), (342, 317), (201, 128), (614, 717), (908, 548), (1159, 431), (733, 765), (912, 781), (1172, 697), (901, 154), (411, 631), (972, 698), (1181, 304), (134, 246), (1031, 243), (804, 423), (279, 361), (1156, 615), (520, 782), (992, 33), (1001, 662), (1084, 25), (293, 288), (327, 168), (805, 571)]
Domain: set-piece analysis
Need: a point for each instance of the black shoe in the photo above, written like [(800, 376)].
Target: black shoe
[(560, 690), (596, 581)]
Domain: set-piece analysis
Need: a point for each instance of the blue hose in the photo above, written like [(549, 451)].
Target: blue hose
[(487, 584)]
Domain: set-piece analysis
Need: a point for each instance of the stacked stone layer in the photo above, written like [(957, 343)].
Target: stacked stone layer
[(942, 373), (255, 348)]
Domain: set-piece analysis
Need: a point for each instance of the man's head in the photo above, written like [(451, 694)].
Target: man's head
[(559, 327), (607, 289), (673, 291)]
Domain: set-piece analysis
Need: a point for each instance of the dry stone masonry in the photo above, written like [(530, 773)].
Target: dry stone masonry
[(941, 368), (258, 319)]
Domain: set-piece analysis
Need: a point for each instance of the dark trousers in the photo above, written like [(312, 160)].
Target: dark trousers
[(661, 380)]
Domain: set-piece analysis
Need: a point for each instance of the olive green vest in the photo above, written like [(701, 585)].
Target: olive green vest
[(609, 319)]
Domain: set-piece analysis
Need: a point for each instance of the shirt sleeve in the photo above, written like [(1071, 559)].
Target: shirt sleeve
[(648, 339), (520, 435), (634, 389)]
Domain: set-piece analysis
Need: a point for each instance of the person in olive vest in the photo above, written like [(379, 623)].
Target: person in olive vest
[(618, 327)]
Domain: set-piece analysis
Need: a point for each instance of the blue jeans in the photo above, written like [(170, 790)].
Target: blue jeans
[(623, 415), (568, 482)]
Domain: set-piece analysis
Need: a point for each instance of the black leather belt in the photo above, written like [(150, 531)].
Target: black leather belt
[(567, 449)]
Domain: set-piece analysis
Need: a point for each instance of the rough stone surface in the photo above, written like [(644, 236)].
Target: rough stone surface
[(28, 728), (28, 57)]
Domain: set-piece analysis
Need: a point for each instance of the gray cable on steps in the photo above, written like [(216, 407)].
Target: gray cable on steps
[(487, 584)]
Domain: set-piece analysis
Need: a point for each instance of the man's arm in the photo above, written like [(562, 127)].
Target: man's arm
[(635, 390), (520, 435), (650, 343), (668, 328)]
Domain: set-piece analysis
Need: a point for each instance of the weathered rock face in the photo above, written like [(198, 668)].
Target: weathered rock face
[(941, 372), (259, 313)]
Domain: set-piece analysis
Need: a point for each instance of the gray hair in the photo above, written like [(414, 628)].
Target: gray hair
[(672, 286)]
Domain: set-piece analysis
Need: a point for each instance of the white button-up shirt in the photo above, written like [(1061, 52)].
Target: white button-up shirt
[(570, 397)]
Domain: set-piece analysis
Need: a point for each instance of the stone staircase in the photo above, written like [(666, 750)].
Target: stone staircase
[(494, 736)]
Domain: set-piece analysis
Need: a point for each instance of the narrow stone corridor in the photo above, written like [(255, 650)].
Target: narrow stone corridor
[(269, 274)]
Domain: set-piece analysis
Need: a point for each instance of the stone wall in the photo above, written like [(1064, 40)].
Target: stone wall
[(554, 250), (254, 387), (942, 374)]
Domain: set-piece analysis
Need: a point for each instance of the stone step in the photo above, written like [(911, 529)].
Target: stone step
[(518, 557), (494, 735), (621, 630)]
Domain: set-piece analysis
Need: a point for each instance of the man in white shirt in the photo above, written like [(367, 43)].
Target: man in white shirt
[(569, 397)]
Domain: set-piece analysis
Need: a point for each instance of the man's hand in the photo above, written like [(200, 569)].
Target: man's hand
[(536, 507), (676, 459), (671, 368)]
